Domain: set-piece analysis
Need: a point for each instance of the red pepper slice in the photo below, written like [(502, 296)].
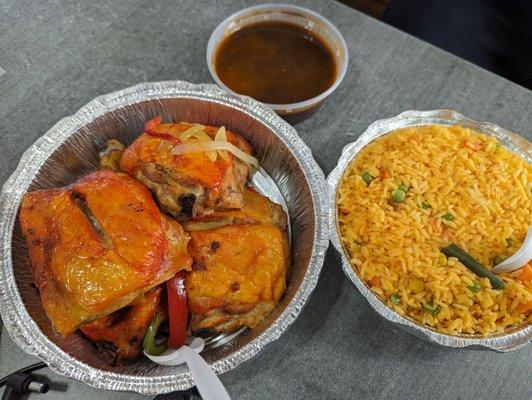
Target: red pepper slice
[(153, 123), (150, 128), (177, 310)]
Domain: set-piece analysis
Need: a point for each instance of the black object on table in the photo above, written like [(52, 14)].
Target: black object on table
[(22, 382), (190, 394), (495, 35)]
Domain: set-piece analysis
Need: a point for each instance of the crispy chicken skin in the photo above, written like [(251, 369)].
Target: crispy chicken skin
[(257, 209), (240, 265), (186, 185), (111, 155), (120, 334), (96, 245)]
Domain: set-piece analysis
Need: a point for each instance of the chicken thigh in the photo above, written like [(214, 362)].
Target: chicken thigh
[(192, 183), (120, 334), (240, 262), (97, 245)]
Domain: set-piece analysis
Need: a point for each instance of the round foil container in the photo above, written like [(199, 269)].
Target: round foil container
[(502, 342), (70, 150)]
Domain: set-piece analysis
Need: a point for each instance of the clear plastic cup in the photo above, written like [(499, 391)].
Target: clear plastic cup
[(313, 22)]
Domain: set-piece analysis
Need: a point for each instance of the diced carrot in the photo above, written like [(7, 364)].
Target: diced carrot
[(476, 145), (526, 273), (436, 225), (385, 174), (447, 234), (375, 281), (525, 308), (496, 167)]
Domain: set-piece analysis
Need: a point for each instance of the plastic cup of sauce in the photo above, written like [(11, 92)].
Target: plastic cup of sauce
[(284, 56)]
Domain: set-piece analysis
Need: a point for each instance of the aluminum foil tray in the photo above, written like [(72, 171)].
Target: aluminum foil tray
[(502, 342), (69, 150)]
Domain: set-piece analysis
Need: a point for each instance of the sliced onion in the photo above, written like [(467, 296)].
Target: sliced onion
[(215, 145), (196, 132), (164, 149), (193, 131), (221, 136), (212, 155)]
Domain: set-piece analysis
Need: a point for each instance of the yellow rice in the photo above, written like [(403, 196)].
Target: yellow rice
[(395, 247)]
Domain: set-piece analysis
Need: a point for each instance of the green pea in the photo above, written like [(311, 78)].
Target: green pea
[(366, 177), (394, 297), (448, 216), (475, 287), (431, 309), (498, 259), (398, 196)]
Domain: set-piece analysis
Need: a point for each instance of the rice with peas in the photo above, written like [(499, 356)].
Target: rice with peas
[(415, 190)]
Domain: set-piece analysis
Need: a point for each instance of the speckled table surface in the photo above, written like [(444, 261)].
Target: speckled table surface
[(57, 55)]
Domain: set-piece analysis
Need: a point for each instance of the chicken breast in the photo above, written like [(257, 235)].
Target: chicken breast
[(98, 244), (191, 184), (240, 265), (120, 334)]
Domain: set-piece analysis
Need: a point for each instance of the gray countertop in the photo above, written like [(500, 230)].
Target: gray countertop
[(58, 55)]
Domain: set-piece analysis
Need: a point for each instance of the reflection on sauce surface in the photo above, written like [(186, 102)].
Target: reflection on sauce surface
[(275, 62)]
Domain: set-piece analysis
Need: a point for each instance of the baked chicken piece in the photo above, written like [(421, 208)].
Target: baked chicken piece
[(257, 209), (240, 263), (194, 182), (98, 244), (111, 155), (120, 334)]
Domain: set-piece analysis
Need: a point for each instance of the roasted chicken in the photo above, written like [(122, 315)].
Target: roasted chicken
[(97, 245), (100, 249), (120, 334), (240, 261), (111, 155), (189, 184)]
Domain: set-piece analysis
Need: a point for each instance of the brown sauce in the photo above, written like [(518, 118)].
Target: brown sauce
[(275, 62)]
